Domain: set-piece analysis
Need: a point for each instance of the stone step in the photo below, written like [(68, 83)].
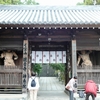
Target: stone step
[(84, 98), (76, 97), (13, 96)]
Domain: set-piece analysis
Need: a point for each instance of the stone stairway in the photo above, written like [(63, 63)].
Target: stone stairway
[(76, 97), (13, 96)]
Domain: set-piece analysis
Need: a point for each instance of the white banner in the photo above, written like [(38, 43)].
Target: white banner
[(59, 56), (38, 57), (48, 56), (64, 57), (45, 56), (52, 57), (33, 57)]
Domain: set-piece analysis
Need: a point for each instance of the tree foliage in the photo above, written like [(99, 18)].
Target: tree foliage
[(31, 2), (92, 2), (98, 2), (60, 71), (59, 66), (36, 68), (7, 2), (89, 2), (18, 2)]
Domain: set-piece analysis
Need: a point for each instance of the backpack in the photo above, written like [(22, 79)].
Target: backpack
[(81, 94), (33, 83)]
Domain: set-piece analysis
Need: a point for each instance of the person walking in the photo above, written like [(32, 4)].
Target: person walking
[(33, 90), (71, 86), (90, 89)]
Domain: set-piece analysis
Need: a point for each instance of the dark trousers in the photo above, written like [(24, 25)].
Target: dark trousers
[(88, 94), (71, 95)]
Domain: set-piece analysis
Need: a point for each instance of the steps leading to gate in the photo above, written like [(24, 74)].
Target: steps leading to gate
[(76, 97), (10, 91), (13, 96)]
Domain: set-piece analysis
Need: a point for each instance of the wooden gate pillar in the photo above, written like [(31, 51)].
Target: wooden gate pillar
[(68, 64), (74, 66), (25, 66), (30, 60)]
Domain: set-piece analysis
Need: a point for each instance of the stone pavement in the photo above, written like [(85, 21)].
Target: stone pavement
[(50, 89), (52, 95)]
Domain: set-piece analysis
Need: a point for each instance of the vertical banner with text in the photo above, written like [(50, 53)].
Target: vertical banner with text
[(25, 66)]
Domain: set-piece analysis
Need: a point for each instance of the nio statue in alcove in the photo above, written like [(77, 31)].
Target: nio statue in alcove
[(85, 58), (8, 58)]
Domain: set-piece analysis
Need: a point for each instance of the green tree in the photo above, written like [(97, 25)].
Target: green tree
[(97, 2), (59, 66), (37, 68), (80, 3), (2, 2), (7, 2), (17, 2), (89, 2), (31, 2), (92, 2), (60, 70)]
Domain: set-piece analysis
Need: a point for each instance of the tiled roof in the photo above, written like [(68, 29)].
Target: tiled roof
[(50, 16)]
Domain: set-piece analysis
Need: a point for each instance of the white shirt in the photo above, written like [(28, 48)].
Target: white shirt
[(71, 84), (37, 83)]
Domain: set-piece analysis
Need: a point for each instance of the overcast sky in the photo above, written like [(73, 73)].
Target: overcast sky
[(58, 2)]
